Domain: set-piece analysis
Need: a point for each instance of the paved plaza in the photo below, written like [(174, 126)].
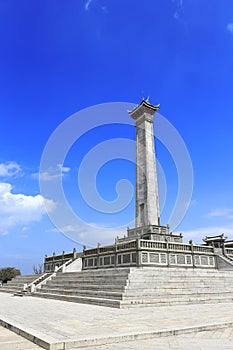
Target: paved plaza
[(206, 340), (63, 325), (12, 341)]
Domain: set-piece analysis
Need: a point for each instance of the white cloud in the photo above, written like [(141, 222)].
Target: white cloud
[(52, 173), (199, 233), (230, 27), (9, 169), (63, 169), (89, 235), (20, 209), (221, 212)]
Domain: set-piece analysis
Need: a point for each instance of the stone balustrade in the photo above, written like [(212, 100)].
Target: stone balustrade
[(141, 252), (56, 260)]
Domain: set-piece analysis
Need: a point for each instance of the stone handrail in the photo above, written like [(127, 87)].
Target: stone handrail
[(60, 268), (111, 248), (203, 249), (227, 258), (152, 244), (64, 256), (144, 244), (90, 251), (174, 246), (106, 249), (127, 245), (37, 280), (179, 246)]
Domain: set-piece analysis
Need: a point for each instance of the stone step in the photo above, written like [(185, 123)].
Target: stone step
[(88, 293), (25, 278), (177, 295), (103, 287), (164, 284), (81, 299), (178, 290), (99, 272), (165, 302), (101, 279), (180, 279), (168, 284), (90, 278), (8, 290), (18, 282), (183, 272), (29, 276), (177, 277), (14, 285)]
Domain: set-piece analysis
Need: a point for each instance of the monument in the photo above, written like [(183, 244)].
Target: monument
[(151, 265), (149, 243)]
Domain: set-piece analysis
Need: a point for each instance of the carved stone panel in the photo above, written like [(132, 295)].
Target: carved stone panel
[(144, 258), (154, 258)]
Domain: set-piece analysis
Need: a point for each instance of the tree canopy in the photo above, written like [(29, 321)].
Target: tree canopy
[(7, 273)]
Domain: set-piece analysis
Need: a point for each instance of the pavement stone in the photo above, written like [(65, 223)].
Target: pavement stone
[(66, 325), (12, 341), (208, 340)]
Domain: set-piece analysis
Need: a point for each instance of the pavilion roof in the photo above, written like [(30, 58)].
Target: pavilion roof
[(144, 107)]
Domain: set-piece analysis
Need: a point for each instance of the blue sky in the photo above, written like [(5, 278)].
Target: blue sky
[(59, 57)]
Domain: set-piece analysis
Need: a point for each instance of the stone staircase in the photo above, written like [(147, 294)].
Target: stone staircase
[(129, 287), (170, 286), (101, 287), (18, 283)]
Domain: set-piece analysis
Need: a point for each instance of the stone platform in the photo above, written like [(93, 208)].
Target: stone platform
[(60, 325), (140, 287)]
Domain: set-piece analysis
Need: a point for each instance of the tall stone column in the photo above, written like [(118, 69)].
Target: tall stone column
[(147, 200)]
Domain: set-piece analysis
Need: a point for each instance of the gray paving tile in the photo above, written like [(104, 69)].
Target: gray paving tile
[(12, 341), (60, 321)]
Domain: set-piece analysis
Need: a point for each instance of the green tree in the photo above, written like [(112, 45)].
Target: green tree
[(7, 273)]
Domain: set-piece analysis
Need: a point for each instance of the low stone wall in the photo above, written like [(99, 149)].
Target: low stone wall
[(55, 261), (141, 252)]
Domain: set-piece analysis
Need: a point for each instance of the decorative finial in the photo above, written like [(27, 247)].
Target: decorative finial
[(147, 100)]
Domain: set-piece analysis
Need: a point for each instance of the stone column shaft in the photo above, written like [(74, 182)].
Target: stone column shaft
[(147, 200)]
